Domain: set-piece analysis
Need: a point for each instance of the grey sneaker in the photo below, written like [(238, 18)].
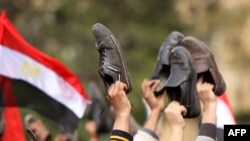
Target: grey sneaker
[(112, 63), (162, 68)]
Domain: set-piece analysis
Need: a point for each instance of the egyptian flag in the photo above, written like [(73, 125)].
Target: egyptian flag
[(39, 82), (225, 115)]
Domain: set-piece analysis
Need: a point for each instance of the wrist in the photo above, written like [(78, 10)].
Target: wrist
[(177, 128), (210, 108), (123, 115), (209, 115), (156, 111), (177, 125), (210, 105), (122, 122)]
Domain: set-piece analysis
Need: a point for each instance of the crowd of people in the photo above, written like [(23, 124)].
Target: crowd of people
[(185, 75)]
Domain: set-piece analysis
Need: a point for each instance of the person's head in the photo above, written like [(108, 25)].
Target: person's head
[(37, 127)]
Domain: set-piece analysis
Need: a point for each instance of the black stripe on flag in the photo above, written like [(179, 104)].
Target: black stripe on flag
[(30, 97)]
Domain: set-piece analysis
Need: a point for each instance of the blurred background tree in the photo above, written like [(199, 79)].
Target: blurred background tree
[(62, 29)]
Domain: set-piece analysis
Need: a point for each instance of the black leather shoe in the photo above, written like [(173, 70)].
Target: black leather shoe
[(99, 110), (181, 84), (162, 69), (204, 63), (112, 63)]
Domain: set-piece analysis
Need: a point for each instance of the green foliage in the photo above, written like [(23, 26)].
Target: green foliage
[(243, 117)]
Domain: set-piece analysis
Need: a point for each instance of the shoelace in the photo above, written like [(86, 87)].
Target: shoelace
[(103, 56)]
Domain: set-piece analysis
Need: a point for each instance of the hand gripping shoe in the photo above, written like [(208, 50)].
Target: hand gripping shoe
[(112, 63), (99, 111), (181, 84), (162, 68), (204, 63)]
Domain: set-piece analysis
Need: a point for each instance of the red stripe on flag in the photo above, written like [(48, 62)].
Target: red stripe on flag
[(1, 26), (12, 39), (13, 128)]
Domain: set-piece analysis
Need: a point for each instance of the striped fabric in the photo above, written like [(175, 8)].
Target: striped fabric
[(39, 82), (118, 135), (225, 115)]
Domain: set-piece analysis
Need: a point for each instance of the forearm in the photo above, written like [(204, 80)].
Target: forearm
[(122, 122), (208, 125), (152, 120), (148, 132), (209, 114), (176, 134)]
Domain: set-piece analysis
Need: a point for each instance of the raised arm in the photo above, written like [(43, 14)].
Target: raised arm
[(174, 115), (209, 101), (156, 104), (122, 108)]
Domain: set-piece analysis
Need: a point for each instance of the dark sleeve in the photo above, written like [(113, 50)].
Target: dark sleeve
[(119, 135), (208, 129)]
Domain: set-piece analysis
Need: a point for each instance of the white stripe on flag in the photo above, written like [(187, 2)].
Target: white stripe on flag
[(224, 115), (19, 66)]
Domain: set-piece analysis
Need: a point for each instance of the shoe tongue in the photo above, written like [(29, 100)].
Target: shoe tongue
[(177, 77)]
